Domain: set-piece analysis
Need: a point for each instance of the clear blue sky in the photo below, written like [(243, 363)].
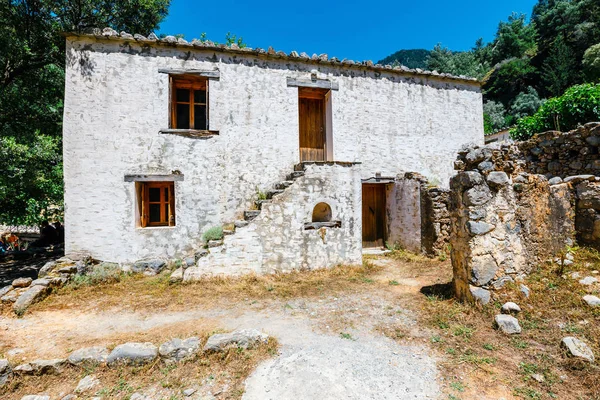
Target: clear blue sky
[(358, 30)]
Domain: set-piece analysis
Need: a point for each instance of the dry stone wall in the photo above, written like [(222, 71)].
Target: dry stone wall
[(505, 220), (563, 154)]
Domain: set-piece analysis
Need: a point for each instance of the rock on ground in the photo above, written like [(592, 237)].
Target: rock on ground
[(87, 383), (592, 300), (510, 308), (4, 371), (35, 397), (152, 266), (588, 280), (480, 295), (30, 296), (5, 290), (578, 348), (524, 290), (133, 354), (21, 282), (242, 338), (95, 355), (508, 324), (176, 276), (177, 349)]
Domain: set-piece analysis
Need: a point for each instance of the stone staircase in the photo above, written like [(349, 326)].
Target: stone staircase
[(278, 189)]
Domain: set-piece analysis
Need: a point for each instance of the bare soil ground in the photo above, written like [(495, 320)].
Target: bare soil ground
[(375, 331)]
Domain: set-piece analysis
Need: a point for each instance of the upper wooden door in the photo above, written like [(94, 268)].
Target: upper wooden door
[(312, 124), (373, 215)]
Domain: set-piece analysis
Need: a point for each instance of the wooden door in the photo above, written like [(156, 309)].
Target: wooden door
[(373, 215), (312, 124)]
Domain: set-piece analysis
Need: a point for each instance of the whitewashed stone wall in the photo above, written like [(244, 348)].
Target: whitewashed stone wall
[(116, 102), (404, 213), (277, 241)]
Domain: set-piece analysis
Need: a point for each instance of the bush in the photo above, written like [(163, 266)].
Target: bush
[(101, 273), (578, 105), (214, 233)]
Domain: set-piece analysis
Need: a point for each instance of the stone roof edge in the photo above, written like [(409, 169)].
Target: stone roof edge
[(111, 34)]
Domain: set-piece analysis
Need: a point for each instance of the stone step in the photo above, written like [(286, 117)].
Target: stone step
[(259, 203), (284, 185), (228, 231), (273, 193), (240, 223), (295, 175), (249, 215)]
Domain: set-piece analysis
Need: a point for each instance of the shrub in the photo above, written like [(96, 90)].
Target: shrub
[(578, 105), (101, 273), (214, 233)]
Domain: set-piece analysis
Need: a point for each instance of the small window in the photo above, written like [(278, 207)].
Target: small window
[(321, 213), (157, 203), (189, 103)]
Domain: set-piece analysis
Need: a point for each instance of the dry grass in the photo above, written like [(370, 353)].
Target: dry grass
[(478, 357), (157, 293), (218, 372)]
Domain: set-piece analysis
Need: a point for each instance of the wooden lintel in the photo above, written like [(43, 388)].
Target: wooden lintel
[(154, 178), (319, 225), (193, 72), (317, 83), (191, 133)]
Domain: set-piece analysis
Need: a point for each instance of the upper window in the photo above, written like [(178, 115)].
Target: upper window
[(157, 205), (189, 103)]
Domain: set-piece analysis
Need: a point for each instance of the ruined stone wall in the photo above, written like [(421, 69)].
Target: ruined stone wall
[(587, 219), (116, 102), (504, 220), (563, 154), (435, 220)]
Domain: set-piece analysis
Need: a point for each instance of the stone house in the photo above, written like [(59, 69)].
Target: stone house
[(301, 159)]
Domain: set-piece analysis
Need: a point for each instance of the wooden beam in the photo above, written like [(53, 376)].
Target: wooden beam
[(191, 133), (154, 178), (317, 83), (192, 72)]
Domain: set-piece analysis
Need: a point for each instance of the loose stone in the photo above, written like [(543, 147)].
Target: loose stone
[(4, 371), (524, 290), (133, 354), (30, 296), (510, 308), (21, 282), (588, 280), (87, 383), (480, 295), (592, 300), (35, 397), (93, 355), (508, 324), (189, 392), (243, 338), (578, 348), (177, 349), (5, 290)]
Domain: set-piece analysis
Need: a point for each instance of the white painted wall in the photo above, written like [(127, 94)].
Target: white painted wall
[(116, 102)]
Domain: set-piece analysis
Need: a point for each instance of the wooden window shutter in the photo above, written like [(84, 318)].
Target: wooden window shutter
[(144, 211), (172, 205)]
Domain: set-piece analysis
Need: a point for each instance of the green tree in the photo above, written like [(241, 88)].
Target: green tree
[(32, 89), (526, 104), (591, 63), (456, 63), (508, 79), (514, 39), (494, 116)]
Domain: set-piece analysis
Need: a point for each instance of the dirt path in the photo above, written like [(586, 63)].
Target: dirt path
[(332, 346)]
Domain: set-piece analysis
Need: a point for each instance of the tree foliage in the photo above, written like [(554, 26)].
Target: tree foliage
[(32, 89), (578, 105), (591, 63)]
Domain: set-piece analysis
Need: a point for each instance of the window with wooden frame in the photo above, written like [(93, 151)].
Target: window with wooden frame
[(189, 102), (156, 203)]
